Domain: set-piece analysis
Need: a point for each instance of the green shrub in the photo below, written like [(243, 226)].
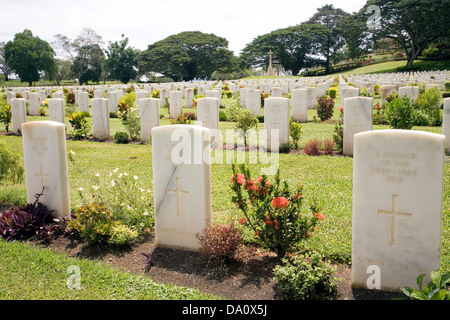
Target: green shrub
[(223, 115), (80, 125), (436, 289), (338, 135), (245, 120), (272, 211), (332, 92), (312, 147), (295, 132), (121, 234), (121, 137), (428, 104), (11, 167), (400, 113), (5, 115), (447, 85), (303, 277), (92, 221), (325, 108), (285, 147)]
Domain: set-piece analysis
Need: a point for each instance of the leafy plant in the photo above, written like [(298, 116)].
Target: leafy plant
[(70, 97), (428, 105), (400, 113), (31, 220), (245, 120), (295, 132), (220, 241), (303, 277), (338, 135), (79, 125), (11, 167), (332, 92), (272, 210), (325, 108), (436, 289), (121, 137), (181, 119), (312, 147), (5, 115)]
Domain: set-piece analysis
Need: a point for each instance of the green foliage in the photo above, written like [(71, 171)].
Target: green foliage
[(92, 221), (121, 234), (220, 241), (428, 105), (400, 113), (121, 61), (295, 132), (130, 115), (11, 168), (70, 97), (325, 108), (338, 135), (28, 55), (188, 55), (272, 210), (245, 120), (332, 92), (121, 137), (447, 85), (80, 125), (303, 277), (436, 289), (88, 64), (5, 115)]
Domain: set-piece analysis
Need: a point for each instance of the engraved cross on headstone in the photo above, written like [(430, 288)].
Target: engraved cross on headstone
[(394, 214), (178, 191), (41, 175)]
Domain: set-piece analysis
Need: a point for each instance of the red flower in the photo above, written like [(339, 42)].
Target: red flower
[(240, 179), (319, 216), (280, 202), (341, 109), (242, 220)]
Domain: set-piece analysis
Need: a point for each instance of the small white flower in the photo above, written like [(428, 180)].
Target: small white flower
[(97, 174), (145, 213), (80, 189), (125, 174), (120, 175), (135, 177), (95, 188), (113, 183), (72, 152), (115, 170)]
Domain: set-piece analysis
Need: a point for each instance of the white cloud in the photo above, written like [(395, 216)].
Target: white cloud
[(145, 22)]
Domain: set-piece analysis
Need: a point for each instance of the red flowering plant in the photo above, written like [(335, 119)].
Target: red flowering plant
[(272, 210), (70, 98)]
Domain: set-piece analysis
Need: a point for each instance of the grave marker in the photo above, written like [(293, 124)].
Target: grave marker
[(18, 114), (358, 115), (45, 158), (182, 184), (397, 207), (149, 112), (276, 117), (100, 118)]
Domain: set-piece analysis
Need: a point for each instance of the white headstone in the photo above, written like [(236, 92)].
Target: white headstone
[(83, 101), (253, 101), (446, 123), (385, 91), (358, 117), (189, 98), (397, 207), (299, 109), (411, 92), (208, 116), (111, 96), (276, 122), (18, 114), (348, 92), (100, 118), (182, 184), (34, 103), (311, 97), (149, 114), (45, 158), (175, 103), (56, 111), (214, 94)]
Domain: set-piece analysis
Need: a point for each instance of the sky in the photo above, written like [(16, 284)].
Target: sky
[(144, 22)]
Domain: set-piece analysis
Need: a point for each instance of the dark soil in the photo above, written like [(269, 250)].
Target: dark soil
[(248, 277)]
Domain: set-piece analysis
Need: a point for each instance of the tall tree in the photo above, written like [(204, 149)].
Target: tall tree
[(121, 60), (294, 48), (29, 56), (331, 18), (356, 34), (88, 63), (4, 67), (187, 55), (413, 24)]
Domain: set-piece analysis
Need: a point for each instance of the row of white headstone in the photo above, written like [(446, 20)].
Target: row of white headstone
[(397, 194)]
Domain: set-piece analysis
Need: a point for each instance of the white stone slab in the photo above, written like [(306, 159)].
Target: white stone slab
[(175, 100), (56, 111), (208, 116), (18, 114), (149, 114), (45, 158), (83, 101), (34, 103), (299, 110), (358, 117), (276, 118), (253, 101), (182, 184), (100, 118), (397, 207)]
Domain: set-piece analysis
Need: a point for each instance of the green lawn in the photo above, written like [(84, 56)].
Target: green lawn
[(327, 180)]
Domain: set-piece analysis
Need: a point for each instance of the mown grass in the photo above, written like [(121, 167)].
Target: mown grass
[(32, 273), (328, 180)]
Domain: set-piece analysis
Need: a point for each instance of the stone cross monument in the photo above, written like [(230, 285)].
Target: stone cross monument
[(270, 71)]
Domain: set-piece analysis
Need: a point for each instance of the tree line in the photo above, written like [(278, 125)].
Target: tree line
[(329, 36)]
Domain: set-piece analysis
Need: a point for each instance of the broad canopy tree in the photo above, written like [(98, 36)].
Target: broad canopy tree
[(294, 48), (29, 56), (187, 55), (413, 24), (121, 60)]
